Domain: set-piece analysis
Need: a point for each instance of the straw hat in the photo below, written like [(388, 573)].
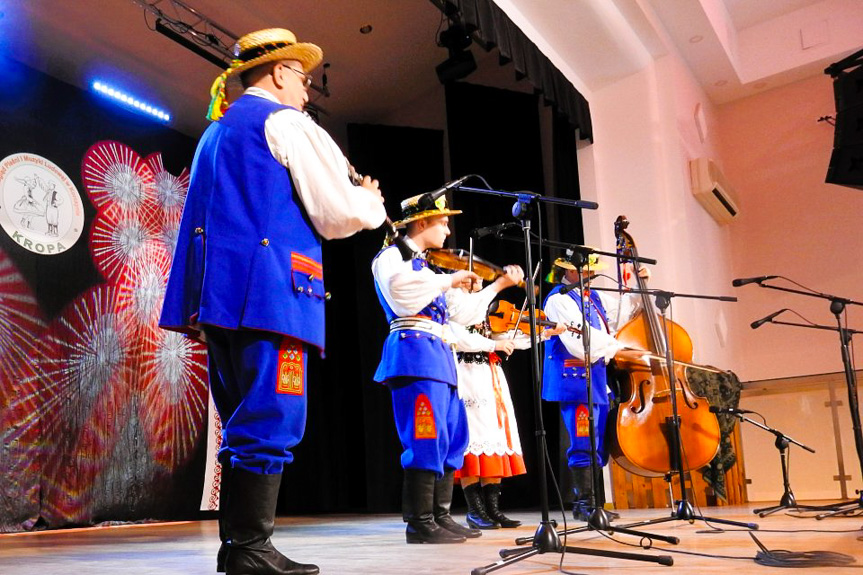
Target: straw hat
[(593, 264), (416, 208), (256, 48)]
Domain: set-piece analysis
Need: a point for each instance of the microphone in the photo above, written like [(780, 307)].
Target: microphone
[(743, 281), (427, 200), (495, 229), (759, 322), (731, 410)]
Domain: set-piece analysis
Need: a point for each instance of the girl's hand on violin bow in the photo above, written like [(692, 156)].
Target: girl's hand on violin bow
[(506, 346), (512, 276)]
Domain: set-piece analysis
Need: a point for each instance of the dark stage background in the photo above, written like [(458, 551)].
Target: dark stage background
[(349, 459)]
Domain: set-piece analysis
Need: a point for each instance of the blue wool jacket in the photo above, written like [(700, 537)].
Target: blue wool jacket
[(247, 255), (418, 354), (563, 377)]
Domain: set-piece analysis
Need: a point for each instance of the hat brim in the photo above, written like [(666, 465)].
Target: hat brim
[(567, 265), (425, 214), (308, 55)]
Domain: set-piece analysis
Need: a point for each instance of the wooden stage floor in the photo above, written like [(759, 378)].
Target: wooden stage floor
[(374, 544)]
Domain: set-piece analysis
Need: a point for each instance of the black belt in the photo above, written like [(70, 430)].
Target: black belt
[(473, 357)]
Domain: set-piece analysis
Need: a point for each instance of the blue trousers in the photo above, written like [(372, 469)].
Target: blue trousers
[(259, 387), (578, 454), (431, 422)]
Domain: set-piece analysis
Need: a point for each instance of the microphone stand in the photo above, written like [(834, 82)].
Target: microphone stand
[(545, 539), (837, 307), (782, 441)]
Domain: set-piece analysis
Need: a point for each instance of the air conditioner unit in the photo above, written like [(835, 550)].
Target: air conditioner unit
[(712, 190)]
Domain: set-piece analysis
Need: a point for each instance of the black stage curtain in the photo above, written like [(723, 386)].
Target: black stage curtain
[(494, 28), (496, 134), (349, 458)]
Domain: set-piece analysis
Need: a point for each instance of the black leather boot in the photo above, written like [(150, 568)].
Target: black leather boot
[(418, 495), (442, 504), (477, 515), (491, 491), (248, 525), (224, 501), (581, 488)]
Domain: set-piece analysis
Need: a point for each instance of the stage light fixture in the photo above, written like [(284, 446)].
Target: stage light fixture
[(130, 101), (460, 62)]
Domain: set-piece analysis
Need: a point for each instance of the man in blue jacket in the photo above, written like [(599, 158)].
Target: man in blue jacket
[(267, 185)]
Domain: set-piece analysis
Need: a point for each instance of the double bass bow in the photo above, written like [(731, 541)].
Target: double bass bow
[(642, 438)]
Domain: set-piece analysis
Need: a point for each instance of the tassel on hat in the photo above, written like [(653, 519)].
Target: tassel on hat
[(218, 98)]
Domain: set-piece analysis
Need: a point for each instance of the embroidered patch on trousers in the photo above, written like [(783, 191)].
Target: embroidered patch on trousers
[(424, 427), (582, 423), (289, 376)]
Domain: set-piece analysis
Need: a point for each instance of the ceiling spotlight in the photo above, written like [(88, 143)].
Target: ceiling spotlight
[(460, 62), (367, 29)]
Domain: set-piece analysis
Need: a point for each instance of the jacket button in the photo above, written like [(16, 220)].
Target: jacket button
[(311, 278), (300, 289), (265, 242), (328, 296), (199, 231)]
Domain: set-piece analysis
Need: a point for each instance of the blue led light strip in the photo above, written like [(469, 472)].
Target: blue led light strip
[(130, 102)]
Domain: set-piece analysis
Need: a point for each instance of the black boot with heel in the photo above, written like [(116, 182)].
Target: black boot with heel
[(491, 491), (477, 515)]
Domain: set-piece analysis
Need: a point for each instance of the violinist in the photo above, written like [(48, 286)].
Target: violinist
[(564, 372), (494, 450), (418, 366)]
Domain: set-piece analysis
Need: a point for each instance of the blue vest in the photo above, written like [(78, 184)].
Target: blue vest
[(563, 376), (247, 255), (418, 354)]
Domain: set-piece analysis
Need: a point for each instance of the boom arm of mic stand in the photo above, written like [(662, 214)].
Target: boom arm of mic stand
[(775, 432), (811, 294)]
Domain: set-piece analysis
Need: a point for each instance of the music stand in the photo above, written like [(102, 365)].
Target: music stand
[(837, 307), (787, 501), (545, 539)]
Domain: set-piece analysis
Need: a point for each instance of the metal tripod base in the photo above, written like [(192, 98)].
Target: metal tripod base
[(786, 502), (683, 511), (599, 521), (842, 508), (546, 540)]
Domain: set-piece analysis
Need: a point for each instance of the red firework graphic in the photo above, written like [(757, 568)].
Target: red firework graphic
[(142, 285), (21, 345), (118, 239), (173, 383), (114, 174), (169, 191), (87, 386)]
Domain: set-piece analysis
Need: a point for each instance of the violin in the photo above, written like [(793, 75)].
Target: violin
[(459, 259), (639, 439), (503, 317)]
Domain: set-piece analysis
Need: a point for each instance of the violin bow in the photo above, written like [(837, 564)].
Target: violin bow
[(524, 305)]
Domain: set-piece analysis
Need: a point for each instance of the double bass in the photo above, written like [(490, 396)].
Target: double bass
[(641, 438)]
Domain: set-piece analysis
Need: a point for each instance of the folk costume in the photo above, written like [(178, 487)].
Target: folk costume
[(418, 366), (564, 374), (267, 185), (494, 450)]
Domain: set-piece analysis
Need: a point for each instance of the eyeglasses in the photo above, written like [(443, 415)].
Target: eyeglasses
[(307, 78)]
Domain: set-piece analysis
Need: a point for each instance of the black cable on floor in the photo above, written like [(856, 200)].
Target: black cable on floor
[(783, 558)]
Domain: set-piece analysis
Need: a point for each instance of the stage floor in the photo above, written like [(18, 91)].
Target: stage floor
[(374, 544)]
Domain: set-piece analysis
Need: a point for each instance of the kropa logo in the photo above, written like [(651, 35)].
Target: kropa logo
[(40, 207)]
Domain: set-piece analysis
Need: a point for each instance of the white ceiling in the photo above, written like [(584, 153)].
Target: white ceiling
[(743, 44)]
